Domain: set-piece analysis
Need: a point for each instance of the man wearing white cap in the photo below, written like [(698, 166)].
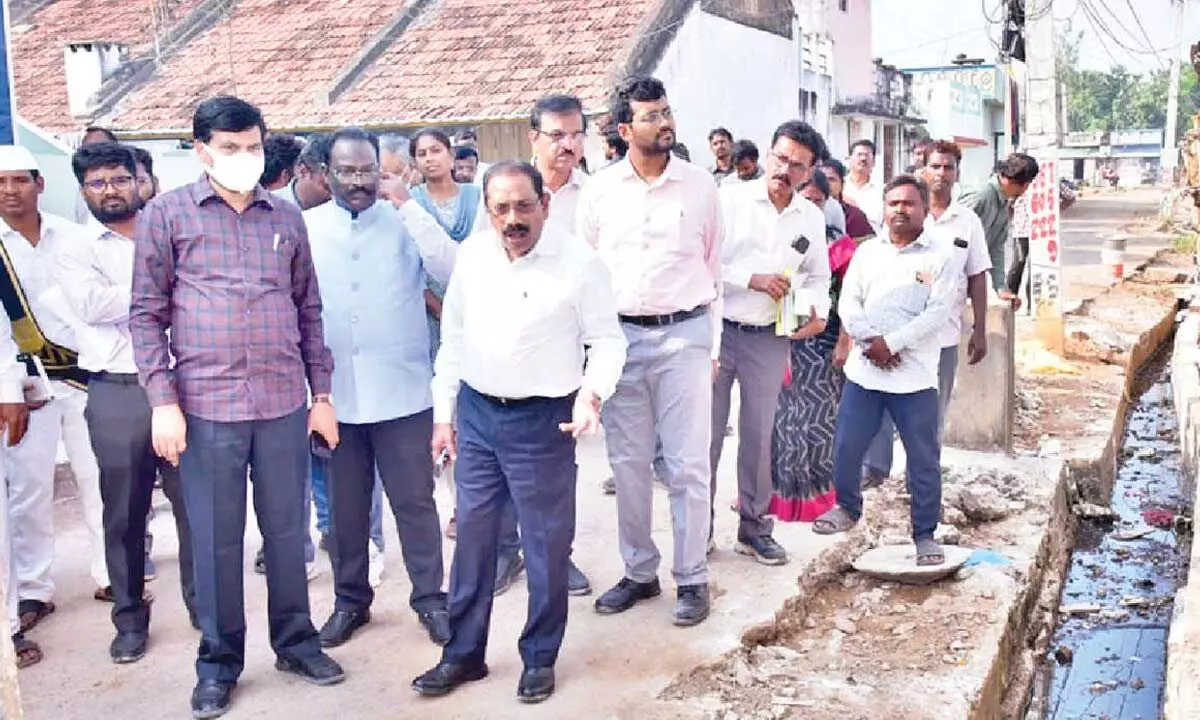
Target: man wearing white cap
[(43, 327)]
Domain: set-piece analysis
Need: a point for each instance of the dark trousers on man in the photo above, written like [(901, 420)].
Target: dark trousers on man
[(400, 449), (916, 417), (512, 450), (118, 419), (756, 358), (214, 489)]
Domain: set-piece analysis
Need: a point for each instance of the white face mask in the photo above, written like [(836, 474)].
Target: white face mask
[(239, 172)]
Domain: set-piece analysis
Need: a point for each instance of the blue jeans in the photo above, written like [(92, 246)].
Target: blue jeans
[(916, 417), (320, 498)]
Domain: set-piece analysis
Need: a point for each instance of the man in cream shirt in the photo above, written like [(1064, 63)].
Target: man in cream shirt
[(860, 190), (524, 300), (655, 221), (896, 298), (774, 244)]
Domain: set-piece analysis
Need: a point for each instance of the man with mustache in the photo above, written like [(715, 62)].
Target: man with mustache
[(97, 278), (525, 300), (655, 221), (774, 245), (371, 255), (557, 131), (969, 247), (896, 297)]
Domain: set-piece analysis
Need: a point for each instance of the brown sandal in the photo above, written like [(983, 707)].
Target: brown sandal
[(32, 612), (105, 594), (27, 651)]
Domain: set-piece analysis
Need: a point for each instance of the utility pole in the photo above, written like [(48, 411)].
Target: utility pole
[(1170, 154), (1043, 130)]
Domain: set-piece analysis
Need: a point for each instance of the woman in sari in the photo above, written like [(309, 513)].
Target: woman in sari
[(802, 441)]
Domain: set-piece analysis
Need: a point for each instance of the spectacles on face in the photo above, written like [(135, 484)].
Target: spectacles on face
[(558, 137), (656, 117), (793, 166), (353, 175), (522, 207), (119, 183)]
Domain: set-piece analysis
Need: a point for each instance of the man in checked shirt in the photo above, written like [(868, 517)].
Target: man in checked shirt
[(226, 268)]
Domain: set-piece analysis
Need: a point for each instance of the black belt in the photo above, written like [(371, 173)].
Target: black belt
[(661, 320), (519, 402), (118, 378), (748, 328)]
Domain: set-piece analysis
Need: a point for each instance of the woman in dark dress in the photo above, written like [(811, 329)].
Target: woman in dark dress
[(802, 441)]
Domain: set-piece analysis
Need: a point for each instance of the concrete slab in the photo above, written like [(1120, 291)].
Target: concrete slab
[(898, 563)]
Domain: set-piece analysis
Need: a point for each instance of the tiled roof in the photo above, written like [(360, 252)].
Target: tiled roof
[(38, 66), (494, 58), (279, 54)]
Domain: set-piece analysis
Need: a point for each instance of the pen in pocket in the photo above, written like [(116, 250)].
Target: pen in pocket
[(275, 243)]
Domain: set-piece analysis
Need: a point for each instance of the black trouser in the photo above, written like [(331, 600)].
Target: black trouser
[(118, 419), (214, 468), (400, 449), (1013, 280)]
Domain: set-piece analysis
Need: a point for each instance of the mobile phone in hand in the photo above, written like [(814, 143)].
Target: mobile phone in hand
[(318, 446)]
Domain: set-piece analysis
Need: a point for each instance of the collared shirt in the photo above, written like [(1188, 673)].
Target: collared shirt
[(564, 202), (761, 240), (720, 174), (868, 198), (36, 267), (733, 178), (12, 373), (371, 269), (96, 275), (661, 240), (903, 295), (994, 210), (959, 223), (516, 329), (239, 295)]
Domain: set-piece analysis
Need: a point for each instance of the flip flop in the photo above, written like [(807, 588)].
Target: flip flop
[(27, 651), (834, 521), (105, 594), (929, 553), (32, 612)]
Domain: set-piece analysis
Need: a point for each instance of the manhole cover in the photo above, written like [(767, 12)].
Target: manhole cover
[(898, 563)]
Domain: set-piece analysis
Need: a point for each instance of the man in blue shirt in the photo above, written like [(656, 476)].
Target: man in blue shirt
[(371, 255)]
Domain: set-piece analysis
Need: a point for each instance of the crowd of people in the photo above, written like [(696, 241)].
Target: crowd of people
[(341, 320)]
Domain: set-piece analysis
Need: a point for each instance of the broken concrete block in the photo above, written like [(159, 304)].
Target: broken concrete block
[(947, 535), (953, 516), (982, 503)]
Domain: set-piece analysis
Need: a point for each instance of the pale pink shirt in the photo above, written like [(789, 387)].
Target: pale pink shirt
[(661, 240)]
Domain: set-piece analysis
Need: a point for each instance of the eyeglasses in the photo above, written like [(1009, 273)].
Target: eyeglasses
[(795, 166), (523, 207), (656, 117), (120, 182), (350, 175), (558, 137)]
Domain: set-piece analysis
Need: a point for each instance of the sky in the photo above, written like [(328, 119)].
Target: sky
[(905, 38)]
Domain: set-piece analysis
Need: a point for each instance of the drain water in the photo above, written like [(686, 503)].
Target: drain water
[(1108, 656)]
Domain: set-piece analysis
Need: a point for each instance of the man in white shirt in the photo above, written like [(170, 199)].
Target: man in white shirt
[(859, 189), (774, 245), (43, 325), (525, 299), (371, 256), (557, 131), (14, 420), (655, 221), (896, 298), (963, 232), (96, 273)]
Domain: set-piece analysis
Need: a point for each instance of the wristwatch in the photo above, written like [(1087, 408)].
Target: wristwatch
[(323, 398)]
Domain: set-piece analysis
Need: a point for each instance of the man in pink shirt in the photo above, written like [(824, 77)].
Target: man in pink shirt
[(654, 220)]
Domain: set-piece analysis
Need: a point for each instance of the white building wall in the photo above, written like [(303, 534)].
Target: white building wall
[(720, 73)]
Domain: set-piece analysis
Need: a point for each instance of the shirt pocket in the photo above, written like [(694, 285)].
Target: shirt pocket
[(277, 270), (912, 296), (674, 229)]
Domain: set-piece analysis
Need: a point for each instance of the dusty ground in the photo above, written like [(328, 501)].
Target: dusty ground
[(907, 645)]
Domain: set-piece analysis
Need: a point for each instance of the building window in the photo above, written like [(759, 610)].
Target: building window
[(844, 5), (808, 106)]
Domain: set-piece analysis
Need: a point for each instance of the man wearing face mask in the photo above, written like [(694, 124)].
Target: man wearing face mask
[(774, 242), (226, 268), (371, 255)]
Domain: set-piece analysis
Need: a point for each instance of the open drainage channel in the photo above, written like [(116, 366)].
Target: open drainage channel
[(1107, 659)]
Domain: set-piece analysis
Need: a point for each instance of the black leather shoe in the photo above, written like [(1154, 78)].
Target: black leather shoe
[(128, 647), (691, 604), (536, 685), (341, 625), (577, 583), (508, 569), (319, 669), (437, 624), (447, 676), (625, 595), (211, 699)]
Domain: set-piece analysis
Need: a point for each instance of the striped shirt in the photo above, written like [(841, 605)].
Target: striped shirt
[(238, 294)]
